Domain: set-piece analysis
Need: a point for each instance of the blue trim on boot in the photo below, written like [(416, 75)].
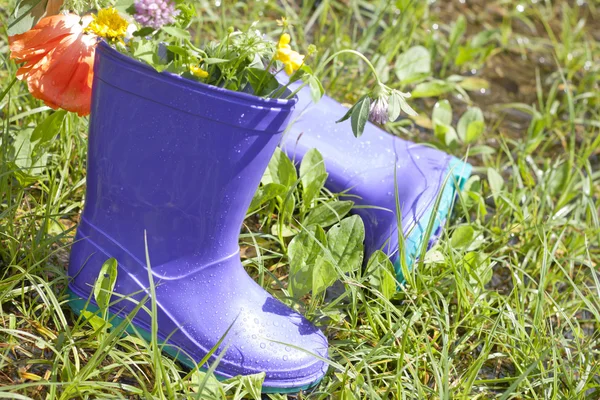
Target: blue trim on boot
[(458, 172)]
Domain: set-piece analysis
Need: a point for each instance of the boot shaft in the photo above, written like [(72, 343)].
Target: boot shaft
[(178, 159)]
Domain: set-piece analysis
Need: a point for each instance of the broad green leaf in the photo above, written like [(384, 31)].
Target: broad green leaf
[(144, 51), (394, 106), (473, 83), (557, 179), (316, 88), (432, 89), (464, 55), (413, 64), (351, 110), (262, 82), (176, 32), (26, 14), (288, 205), (28, 158), (266, 193), (447, 134), (302, 254), (471, 125), (327, 214), (105, 283), (124, 6), (442, 122), (381, 274), (345, 241), (462, 237), (323, 276), (496, 182), (479, 267), (280, 170), (360, 116), (49, 128), (312, 175), (442, 113)]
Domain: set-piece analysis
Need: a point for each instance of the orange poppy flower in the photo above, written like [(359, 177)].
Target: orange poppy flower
[(59, 60)]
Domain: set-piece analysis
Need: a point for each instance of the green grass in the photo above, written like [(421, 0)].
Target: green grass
[(506, 306)]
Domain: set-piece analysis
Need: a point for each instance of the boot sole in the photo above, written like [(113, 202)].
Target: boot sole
[(78, 304)]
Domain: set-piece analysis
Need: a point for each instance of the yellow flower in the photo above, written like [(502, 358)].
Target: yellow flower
[(283, 22), (292, 60), (108, 24), (197, 71)]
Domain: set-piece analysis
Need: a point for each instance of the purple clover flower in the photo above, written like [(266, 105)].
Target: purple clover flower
[(155, 13), (378, 112)]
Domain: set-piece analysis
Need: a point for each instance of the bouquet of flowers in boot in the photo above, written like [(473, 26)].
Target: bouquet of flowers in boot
[(57, 52)]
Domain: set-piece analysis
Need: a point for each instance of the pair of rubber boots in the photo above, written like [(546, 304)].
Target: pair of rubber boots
[(178, 162)]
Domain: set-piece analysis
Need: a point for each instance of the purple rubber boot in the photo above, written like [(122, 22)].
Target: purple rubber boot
[(365, 167), (181, 160)]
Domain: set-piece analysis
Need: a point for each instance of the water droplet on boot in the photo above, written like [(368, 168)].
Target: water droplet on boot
[(285, 358), (262, 345)]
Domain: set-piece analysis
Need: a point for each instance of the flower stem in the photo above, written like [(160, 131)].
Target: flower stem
[(353, 52)]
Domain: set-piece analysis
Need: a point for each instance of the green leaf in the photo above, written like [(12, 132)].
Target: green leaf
[(471, 125), (458, 31), (213, 60), (442, 113), (405, 107), (207, 385), (177, 50), (30, 148), (49, 128), (432, 89), (312, 175), (474, 83), (394, 106), (464, 55), (413, 64), (302, 254), (345, 241), (316, 88), (350, 111), (143, 32), (280, 170), (442, 122), (327, 214), (26, 14), (176, 32), (144, 51), (478, 266), (381, 274), (262, 82), (95, 321), (323, 276), (266, 193), (105, 283), (360, 116), (253, 384), (124, 6), (462, 237), (496, 182)]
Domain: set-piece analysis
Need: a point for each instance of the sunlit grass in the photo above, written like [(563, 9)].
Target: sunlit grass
[(512, 313)]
